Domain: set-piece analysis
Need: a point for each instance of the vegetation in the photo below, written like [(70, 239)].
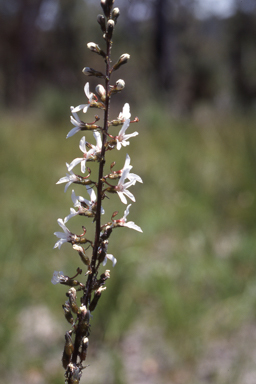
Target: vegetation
[(185, 311), (189, 291)]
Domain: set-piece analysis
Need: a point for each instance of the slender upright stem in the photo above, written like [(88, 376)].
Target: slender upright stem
[(87, 296), (88, 291)]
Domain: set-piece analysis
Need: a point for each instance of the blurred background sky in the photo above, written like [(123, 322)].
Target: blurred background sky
[(180, 307)]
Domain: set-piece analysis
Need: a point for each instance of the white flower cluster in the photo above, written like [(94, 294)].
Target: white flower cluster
[(86, 207)]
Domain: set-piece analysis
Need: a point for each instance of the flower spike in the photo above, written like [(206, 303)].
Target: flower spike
[(83, 297)]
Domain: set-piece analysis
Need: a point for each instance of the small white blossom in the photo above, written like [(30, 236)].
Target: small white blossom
[(78, 124), (123, 222), (69, 179), (89, 96), (111, 258), (125, 114), (122, 187), (97, 137), (87, 154), (85, 207), (122, 138), (65, 236), (131, 176), (57, 277)]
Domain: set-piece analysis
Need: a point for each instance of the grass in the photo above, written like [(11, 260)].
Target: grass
[(189, 277)]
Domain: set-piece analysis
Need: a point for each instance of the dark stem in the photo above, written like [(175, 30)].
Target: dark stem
[(86, 299), (88, 291)]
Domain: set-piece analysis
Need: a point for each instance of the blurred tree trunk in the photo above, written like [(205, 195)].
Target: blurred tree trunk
[(17, 40), (163, 44), (242, 48)]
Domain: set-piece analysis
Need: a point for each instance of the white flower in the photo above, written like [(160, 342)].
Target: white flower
[(122, 138), (110, 257), (85, 207), (65, 237), (87, 155), (122, 187), (125, 114), (57, 277), (123, 222), (89, 96), (97, 137), (131, 176), (76, 122), (69, 179)]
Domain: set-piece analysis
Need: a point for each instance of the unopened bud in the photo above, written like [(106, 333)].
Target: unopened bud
[(102, 22), (107, 6), (120, 84), (85, 259), (110, 29), (101, 92), (95, 48), (115, 14), (92, 72), (122, 60)]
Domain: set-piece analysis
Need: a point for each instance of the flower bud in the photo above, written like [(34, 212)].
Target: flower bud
[(120, 84), (102, 22), (85, 259), (100, 90), (122, 60), (110, 29), (95, 48), (107, 6), (91, 72), (115, 14)]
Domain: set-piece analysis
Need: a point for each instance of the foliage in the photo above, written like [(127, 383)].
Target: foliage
[(190, 277)]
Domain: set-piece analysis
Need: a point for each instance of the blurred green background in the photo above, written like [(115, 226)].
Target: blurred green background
[(180, 307)]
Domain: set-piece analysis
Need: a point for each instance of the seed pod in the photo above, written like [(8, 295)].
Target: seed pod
[(84, 321), (67, 312), (71, 294), (68, 349), (84, 346)]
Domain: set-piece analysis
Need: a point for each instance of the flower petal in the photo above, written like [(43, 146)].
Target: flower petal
[(75, 162), (79, 108)]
